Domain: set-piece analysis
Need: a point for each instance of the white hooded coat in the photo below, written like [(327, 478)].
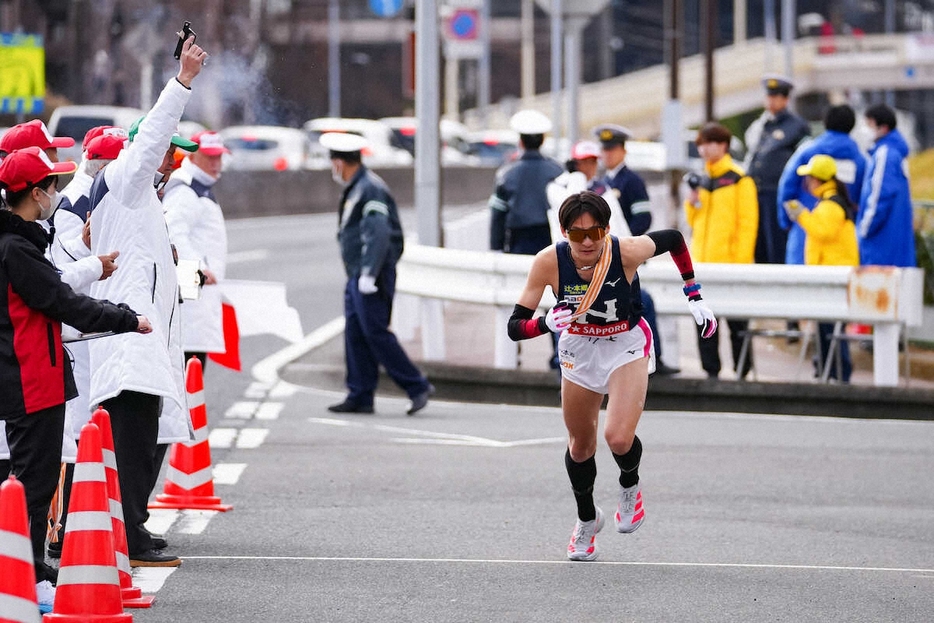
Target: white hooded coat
[(126, 215), (196, 227)]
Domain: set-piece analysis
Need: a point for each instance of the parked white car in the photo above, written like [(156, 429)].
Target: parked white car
[(75, 121), (379, 151), (266, 148)]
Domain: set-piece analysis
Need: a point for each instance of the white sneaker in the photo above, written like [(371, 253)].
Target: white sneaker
[(45, 596), (629, 512), (583, 545)]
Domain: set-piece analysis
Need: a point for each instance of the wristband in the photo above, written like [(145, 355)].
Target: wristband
[(692, 291)]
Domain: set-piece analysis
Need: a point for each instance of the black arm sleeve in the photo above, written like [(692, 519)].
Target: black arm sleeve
[(522, 327), (672, 240), (35, 280)]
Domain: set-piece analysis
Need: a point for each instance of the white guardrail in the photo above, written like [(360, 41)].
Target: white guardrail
[(886, 298)]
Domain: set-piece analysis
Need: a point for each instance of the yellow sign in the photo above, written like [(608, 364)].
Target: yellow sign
[(22, 73)]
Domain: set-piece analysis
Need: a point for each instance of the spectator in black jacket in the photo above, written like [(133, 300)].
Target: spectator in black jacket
[(35, 378)]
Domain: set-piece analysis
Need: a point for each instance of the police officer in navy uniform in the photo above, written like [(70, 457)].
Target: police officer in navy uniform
[(771, 141), (370, 237), (519, 203), (629, 189)]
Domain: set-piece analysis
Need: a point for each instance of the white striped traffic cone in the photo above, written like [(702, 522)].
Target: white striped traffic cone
[(189, 481), (18, 579), (132, 595), (88, 589)]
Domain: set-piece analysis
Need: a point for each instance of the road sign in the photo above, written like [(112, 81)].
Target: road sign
[(463, 25), (22, 73), (386, 8), (462, 29)]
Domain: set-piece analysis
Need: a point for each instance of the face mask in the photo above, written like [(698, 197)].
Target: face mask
[(45, 213), (337, 173), (159, 180)]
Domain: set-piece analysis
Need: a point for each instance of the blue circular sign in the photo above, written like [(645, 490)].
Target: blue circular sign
[(386, 8), (464, 24)]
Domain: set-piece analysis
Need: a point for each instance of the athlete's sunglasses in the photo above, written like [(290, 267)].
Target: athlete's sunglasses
[(594, 233)]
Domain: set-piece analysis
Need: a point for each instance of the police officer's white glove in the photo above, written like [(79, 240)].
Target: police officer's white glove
[(558, 318), (367, 284)]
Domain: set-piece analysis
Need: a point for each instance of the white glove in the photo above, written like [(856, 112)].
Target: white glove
[(794, 209), (703, 317), (558, 319), (367, 284)]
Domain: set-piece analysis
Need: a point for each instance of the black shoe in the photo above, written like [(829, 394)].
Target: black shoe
[(662, 370), (154, 558), (55, 549), (350, 407), (419, 401), (158, 541)]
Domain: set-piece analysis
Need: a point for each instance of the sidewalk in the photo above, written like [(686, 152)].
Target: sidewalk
[(778, 385)]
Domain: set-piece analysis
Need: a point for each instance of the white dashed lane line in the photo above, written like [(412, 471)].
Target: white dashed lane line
[(228, 473)]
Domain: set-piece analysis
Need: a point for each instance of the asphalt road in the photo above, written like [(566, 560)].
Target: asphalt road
[(463, 513)]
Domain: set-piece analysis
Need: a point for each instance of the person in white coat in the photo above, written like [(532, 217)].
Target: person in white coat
[(196, 228), (140, 379)]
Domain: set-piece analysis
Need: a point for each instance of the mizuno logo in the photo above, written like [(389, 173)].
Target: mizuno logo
[(633, 352), (612, 284)]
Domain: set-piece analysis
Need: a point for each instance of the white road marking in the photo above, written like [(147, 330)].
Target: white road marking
[(161, 520), (253, 255), (222, 437), (269, 411), (151, 579), (267, 370), (256, 390), (283, 390), (613, 563), (251, 437), (242, 410), (434, 437), (194, 521), (228, 473)]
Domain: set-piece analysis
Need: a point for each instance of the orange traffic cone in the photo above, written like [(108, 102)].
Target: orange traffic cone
[(189, 482), (18, 580), (88, 588), (132, 595)]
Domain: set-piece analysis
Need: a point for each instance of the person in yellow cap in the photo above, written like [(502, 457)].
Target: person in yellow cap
[(830, 236)]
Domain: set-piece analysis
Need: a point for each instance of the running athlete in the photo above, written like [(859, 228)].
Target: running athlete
[(605, 348)]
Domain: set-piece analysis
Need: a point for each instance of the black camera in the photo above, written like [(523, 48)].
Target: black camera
[(693, 180), (183, 34)]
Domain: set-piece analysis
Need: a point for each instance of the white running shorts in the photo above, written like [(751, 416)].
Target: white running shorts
[(589, 361)]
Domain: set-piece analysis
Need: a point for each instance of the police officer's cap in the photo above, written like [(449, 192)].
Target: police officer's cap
[(342, 142), (610, 134), (776, 84), (530, 122)]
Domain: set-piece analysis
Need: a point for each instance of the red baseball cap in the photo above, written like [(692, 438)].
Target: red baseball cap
[(585, 149), (31, 165), (92, 134), (107, 145), (210, 143), (32, 133)]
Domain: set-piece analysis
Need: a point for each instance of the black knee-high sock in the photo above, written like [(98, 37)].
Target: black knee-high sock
[(629, 464), (582, 477)]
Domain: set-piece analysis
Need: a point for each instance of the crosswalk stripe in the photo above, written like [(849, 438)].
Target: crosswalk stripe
[(251, 437), (228, 473), (222, 437), (194, 521)]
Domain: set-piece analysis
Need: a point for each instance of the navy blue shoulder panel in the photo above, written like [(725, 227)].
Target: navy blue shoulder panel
[(98, 190)]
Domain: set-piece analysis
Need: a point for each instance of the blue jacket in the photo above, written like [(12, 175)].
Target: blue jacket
[(519, 199), (369, 233), (884, 224), (851, 169)]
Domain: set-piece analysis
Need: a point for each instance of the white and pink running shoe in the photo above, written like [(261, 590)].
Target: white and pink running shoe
[(583, 545), (629, 512)]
